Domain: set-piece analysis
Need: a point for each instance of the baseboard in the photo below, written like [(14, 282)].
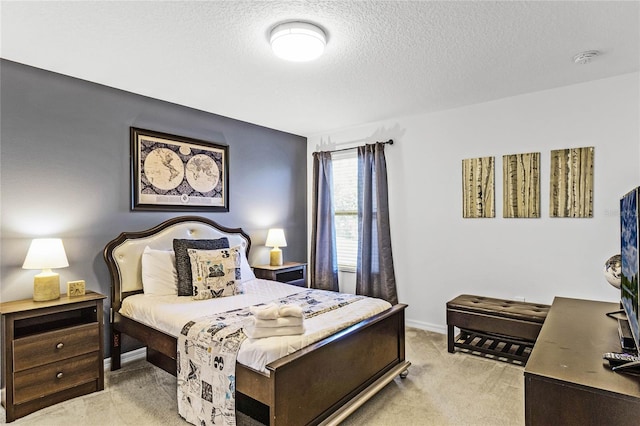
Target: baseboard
[(126, 357), (426, 326)]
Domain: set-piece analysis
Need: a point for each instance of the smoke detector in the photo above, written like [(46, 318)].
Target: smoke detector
[(585, 57)]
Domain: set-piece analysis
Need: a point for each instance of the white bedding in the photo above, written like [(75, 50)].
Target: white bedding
[(170, 313)]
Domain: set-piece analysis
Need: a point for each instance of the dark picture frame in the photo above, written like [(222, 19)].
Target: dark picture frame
[(177, 173)]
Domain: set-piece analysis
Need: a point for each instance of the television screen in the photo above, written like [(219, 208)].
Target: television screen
[(629, 253)]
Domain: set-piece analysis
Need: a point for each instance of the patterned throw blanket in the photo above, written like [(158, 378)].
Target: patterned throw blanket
[(207, 352)]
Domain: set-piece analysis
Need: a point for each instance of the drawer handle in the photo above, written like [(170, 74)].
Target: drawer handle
[(60, 345), (59, 375)]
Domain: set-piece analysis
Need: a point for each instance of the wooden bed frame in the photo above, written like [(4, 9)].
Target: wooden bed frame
[(318, 384)]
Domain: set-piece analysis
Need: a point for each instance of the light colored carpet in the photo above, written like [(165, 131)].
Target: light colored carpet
[(441, 389)]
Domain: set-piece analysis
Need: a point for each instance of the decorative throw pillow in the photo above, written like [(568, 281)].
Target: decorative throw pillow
[(183, 263), (214, 272), (159, 276)]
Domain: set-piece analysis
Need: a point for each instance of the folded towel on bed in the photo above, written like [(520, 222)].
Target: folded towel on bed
[(273, 320), (273, 311), (265, 312), (260, 332), (278, 322), (290, 311)]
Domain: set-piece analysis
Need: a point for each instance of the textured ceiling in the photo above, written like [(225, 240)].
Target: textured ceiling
[(383, 58)]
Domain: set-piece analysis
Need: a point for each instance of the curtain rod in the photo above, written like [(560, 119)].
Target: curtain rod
[(390, 142)]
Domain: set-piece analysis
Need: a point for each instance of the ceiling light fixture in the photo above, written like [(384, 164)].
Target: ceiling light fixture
[(585, 57), (298, 41)]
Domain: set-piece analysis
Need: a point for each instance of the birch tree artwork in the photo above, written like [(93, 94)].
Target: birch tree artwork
[(571, 193), (521, 185), (478, 186)]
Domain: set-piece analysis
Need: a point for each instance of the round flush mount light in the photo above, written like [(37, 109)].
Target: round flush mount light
[(298, 41), (585, 57)]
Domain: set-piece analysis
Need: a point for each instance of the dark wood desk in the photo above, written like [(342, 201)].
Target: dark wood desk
[(566, 380)]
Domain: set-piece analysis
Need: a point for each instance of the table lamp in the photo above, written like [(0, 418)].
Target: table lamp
[(275, 239), (45, 254)]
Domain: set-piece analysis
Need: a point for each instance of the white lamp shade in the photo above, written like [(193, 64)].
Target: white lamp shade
[(298, 41), (275, 238), (46, 253)]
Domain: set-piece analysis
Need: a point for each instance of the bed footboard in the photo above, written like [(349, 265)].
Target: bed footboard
[(319, 383)]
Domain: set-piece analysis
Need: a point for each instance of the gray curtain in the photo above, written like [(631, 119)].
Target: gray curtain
[(324, 260), (375, 275)]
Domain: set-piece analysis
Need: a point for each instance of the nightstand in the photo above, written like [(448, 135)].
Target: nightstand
[(51, 351), (293, 273)]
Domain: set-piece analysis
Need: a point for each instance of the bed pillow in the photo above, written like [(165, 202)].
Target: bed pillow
[(159, 276), (245, 270), (183, 264), (215, 272)]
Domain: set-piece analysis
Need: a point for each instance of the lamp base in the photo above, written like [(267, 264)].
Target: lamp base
[(46, 286), (275, 257)]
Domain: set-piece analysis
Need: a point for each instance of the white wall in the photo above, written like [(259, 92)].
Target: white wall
[(439, 255)]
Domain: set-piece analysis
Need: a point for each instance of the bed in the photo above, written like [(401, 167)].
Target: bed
[(293, 390)]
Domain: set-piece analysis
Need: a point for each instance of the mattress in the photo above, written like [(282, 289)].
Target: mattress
[(170, 313)]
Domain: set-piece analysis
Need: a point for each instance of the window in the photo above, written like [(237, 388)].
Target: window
[(345, 197)]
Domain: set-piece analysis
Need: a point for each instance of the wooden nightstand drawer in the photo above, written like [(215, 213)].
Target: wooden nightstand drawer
[(42, 381), (293, 275), (40, 349)]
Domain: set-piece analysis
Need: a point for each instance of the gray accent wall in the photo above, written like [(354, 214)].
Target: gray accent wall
[(65, 167)]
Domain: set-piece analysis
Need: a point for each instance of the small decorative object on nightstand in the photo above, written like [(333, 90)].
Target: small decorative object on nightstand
[(293, 273), (75, 288), (52, 351)]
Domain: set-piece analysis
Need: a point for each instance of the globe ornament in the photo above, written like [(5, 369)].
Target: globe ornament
[(613, 270)]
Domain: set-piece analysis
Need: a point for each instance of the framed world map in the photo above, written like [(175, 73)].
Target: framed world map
[(178, 173)]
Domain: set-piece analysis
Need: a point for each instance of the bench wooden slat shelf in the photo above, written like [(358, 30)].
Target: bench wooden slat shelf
[(498, 328)]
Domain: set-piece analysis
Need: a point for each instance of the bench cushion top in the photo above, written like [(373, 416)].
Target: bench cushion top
[(533, 312)]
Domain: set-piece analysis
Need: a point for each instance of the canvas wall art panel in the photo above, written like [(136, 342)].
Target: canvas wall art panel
[(521, 185), (571, 193), (478, 187)]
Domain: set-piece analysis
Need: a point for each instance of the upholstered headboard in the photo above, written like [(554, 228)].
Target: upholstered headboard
[(123, 254)]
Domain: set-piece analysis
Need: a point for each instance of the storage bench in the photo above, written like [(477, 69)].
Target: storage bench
[(504, 329)]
